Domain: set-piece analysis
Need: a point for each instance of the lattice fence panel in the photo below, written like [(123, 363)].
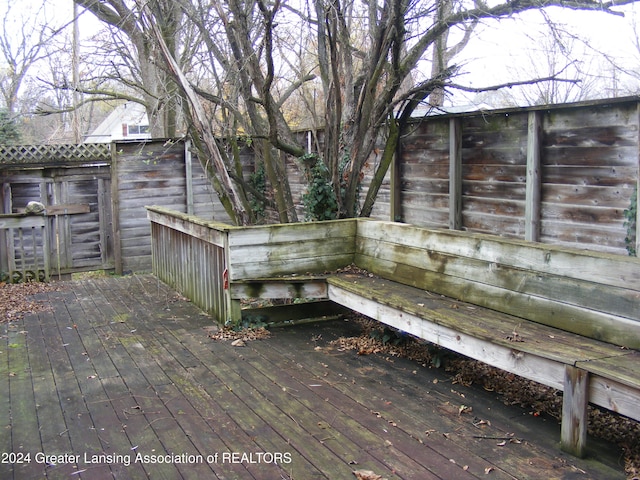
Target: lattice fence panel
[(54, 154)]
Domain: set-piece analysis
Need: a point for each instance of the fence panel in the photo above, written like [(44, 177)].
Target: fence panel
[(558, 174)]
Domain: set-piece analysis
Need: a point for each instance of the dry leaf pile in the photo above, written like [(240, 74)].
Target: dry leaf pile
[(16, 301), (353, 268), (240, 337), (514, 390)]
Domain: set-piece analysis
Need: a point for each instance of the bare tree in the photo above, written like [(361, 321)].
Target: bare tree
[(131, 58), (365, 79), (25, 40), (567, 60), (443, 54), (624, 77)]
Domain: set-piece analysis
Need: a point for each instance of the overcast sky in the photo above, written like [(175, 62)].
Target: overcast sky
[(503, 49), (499, 54)]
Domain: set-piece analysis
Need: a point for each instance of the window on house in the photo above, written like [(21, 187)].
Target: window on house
[(138, 129)]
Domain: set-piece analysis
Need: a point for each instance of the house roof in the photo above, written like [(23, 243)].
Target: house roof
[(129, 113)]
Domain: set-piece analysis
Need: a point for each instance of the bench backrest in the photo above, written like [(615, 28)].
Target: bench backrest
[(287, 249), (594, 294)]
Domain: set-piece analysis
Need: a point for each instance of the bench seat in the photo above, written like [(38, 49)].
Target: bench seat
[(518, 334), (529, 349)]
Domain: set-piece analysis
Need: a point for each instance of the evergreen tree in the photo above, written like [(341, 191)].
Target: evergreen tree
[(9, 131)]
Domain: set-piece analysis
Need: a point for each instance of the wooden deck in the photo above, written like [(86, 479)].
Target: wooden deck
[(120, 380)]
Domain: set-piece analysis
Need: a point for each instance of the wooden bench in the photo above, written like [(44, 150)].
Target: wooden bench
[(569, 319), (566, 318)]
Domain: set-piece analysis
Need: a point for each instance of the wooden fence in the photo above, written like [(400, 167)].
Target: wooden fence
[(95, 196), (154, 173), (561, 174)]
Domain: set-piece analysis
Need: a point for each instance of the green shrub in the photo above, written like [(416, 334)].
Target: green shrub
[(320, 199)]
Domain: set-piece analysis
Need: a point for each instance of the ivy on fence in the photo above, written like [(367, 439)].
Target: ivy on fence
[(630, 215)]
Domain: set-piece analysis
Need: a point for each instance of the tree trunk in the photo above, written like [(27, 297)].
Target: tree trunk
[(234, 200), (389, 152)]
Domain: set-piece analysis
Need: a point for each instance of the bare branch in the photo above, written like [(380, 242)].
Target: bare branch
[(501, 86), (44, 111)]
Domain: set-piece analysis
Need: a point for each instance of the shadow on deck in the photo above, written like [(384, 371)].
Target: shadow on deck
[(120, 380)]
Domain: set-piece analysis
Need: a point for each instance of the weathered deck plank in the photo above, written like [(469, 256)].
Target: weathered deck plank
[(23, 404), (123, 366), (351, 406), (344, 428), (156, 334), (147, 382), (296, 422), (426, 413)]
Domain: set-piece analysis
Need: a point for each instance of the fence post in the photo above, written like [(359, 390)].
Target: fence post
[(455, 174), (189, 175), (534, 175), (115, 206), (233, 307)]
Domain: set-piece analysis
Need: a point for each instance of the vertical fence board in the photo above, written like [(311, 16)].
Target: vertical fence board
[(455, 174)]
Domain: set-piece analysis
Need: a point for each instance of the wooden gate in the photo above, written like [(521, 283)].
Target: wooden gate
[(24, 252), (73, 182)]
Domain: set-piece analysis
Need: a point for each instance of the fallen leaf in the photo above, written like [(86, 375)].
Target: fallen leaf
[(464, 409), (367, 475), (238, 343), (488, 470)]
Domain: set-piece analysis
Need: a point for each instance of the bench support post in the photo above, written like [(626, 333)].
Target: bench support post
[(573, 437)]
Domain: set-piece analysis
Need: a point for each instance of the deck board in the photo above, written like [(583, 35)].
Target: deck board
[(123, 365)]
